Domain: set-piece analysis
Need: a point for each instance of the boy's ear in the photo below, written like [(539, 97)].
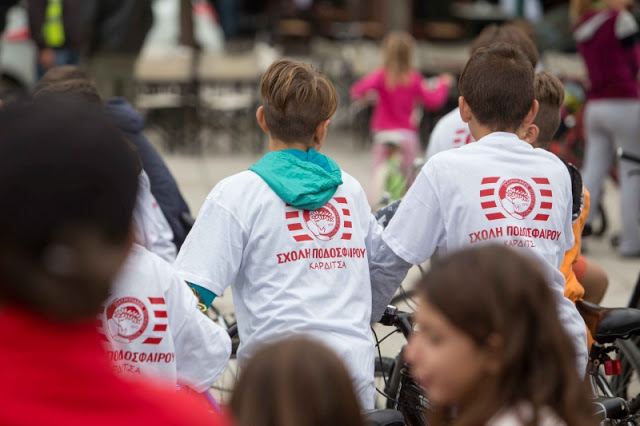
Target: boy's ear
[(319, 135), (531, 115), (261, 121), (530, 134), (465, 111)]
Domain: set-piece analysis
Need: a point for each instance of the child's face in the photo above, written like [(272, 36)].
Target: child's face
[(445, 361)]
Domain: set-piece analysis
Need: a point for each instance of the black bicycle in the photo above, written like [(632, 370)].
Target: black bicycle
[(613, 355), (401, 392)]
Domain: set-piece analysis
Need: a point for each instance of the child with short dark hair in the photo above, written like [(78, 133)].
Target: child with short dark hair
[(450, 131), (498, 189), (292, 235), (489, 348), (65, 231)]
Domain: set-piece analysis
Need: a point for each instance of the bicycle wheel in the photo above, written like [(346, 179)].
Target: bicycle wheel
[(627, 384)]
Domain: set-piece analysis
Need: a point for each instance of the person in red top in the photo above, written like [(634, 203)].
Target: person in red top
[(65, 230)]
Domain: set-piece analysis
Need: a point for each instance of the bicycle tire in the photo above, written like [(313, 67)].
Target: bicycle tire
[(629, 357)]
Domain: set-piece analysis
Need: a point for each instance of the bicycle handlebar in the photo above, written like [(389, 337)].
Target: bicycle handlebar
[(395, 318)]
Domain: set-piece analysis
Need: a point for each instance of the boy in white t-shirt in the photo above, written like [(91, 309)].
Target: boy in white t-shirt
[(451, 131), (154, 329), (293, 234), (498, 189)]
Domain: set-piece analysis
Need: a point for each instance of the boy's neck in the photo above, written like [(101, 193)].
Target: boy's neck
[(277, 145), (478, 131)]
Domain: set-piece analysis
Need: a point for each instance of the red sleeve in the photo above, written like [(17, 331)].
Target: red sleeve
[(433, 98), (371, 81)]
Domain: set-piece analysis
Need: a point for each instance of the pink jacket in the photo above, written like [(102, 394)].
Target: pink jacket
[(394, 109)]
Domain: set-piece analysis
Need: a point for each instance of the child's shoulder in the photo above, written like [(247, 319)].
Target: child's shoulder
[(239, 185)]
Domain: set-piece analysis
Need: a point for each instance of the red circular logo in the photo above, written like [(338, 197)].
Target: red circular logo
[(127, 319), (517, 198), (323, 223)]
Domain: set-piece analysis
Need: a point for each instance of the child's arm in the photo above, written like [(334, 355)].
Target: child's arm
[(202, 348), (366, 84), (411, 237), (210, 257), (626, 29), (434, 98)]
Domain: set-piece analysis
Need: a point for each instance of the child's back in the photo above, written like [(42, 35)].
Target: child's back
[(155, 329), (292, 235), (499, 189)]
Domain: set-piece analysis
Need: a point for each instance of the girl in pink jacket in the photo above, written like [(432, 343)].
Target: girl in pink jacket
[(399, 89)]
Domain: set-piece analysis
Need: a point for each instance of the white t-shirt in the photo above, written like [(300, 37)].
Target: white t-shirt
[(151, 227), (448, 133), (154, 328), (497, 190), (523, 413), (292, 271)]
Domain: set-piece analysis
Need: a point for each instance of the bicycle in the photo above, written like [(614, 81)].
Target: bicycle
[(402, 393), (392, 178), (628, 381), (613, 330)]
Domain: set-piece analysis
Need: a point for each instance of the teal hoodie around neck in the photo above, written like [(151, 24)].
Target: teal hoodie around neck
[(305, 180)]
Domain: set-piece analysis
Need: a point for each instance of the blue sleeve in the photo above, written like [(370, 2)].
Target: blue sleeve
[(205, 295)]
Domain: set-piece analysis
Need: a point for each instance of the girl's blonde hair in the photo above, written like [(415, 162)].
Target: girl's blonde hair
[(397, 50), (577, 8)]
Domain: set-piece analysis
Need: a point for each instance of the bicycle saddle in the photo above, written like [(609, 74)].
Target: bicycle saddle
[(609, 324), (611, 408), (383, 418)]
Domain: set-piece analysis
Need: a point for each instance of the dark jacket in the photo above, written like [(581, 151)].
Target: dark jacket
[(163, 186), (119, 26), (74, 19)]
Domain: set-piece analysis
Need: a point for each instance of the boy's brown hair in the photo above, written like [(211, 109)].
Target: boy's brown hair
[(507, 33), (296, 99), (497, 84), (549, 93)]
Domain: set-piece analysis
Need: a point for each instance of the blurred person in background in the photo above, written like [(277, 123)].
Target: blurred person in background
[(58, 28), (607, 36), (295, 382), (118, 30), (163, 185), (399, 88), (64, 236)]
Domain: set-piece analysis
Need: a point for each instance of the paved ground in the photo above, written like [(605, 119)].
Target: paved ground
[(196, 176)]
